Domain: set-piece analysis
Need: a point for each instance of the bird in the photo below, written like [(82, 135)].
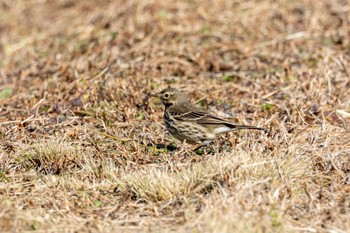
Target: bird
[(190, 124)]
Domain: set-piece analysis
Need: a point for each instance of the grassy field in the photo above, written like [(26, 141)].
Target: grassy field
[(83, 146)]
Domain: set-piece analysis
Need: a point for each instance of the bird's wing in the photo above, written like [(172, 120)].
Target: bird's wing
[(192, 113)]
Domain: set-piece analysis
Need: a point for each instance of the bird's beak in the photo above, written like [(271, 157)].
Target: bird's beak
[(158, 95)]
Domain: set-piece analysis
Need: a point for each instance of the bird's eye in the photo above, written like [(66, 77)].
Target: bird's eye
[(166, 95)]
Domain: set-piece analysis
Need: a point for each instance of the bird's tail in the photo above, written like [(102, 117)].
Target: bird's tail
[(237, 127)]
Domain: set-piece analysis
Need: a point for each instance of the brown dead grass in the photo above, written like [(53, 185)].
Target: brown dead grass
[(82, 146)]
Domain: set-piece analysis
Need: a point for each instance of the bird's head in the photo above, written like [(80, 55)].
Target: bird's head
[(171, 96)]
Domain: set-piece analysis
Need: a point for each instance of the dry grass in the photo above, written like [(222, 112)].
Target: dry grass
[(82, 146)]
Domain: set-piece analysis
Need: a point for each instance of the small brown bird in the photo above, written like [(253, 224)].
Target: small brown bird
[(188, 123)]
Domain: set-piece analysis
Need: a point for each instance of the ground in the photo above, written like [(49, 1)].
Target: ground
[(83, 146)]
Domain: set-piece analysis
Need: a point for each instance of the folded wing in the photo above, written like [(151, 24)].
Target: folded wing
[(192, 113)]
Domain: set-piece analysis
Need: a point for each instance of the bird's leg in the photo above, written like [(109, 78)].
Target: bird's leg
[(186, 149), (183, 145)]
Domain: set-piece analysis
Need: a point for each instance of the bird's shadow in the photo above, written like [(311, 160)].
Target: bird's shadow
[(170, 147), (204, 149)]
